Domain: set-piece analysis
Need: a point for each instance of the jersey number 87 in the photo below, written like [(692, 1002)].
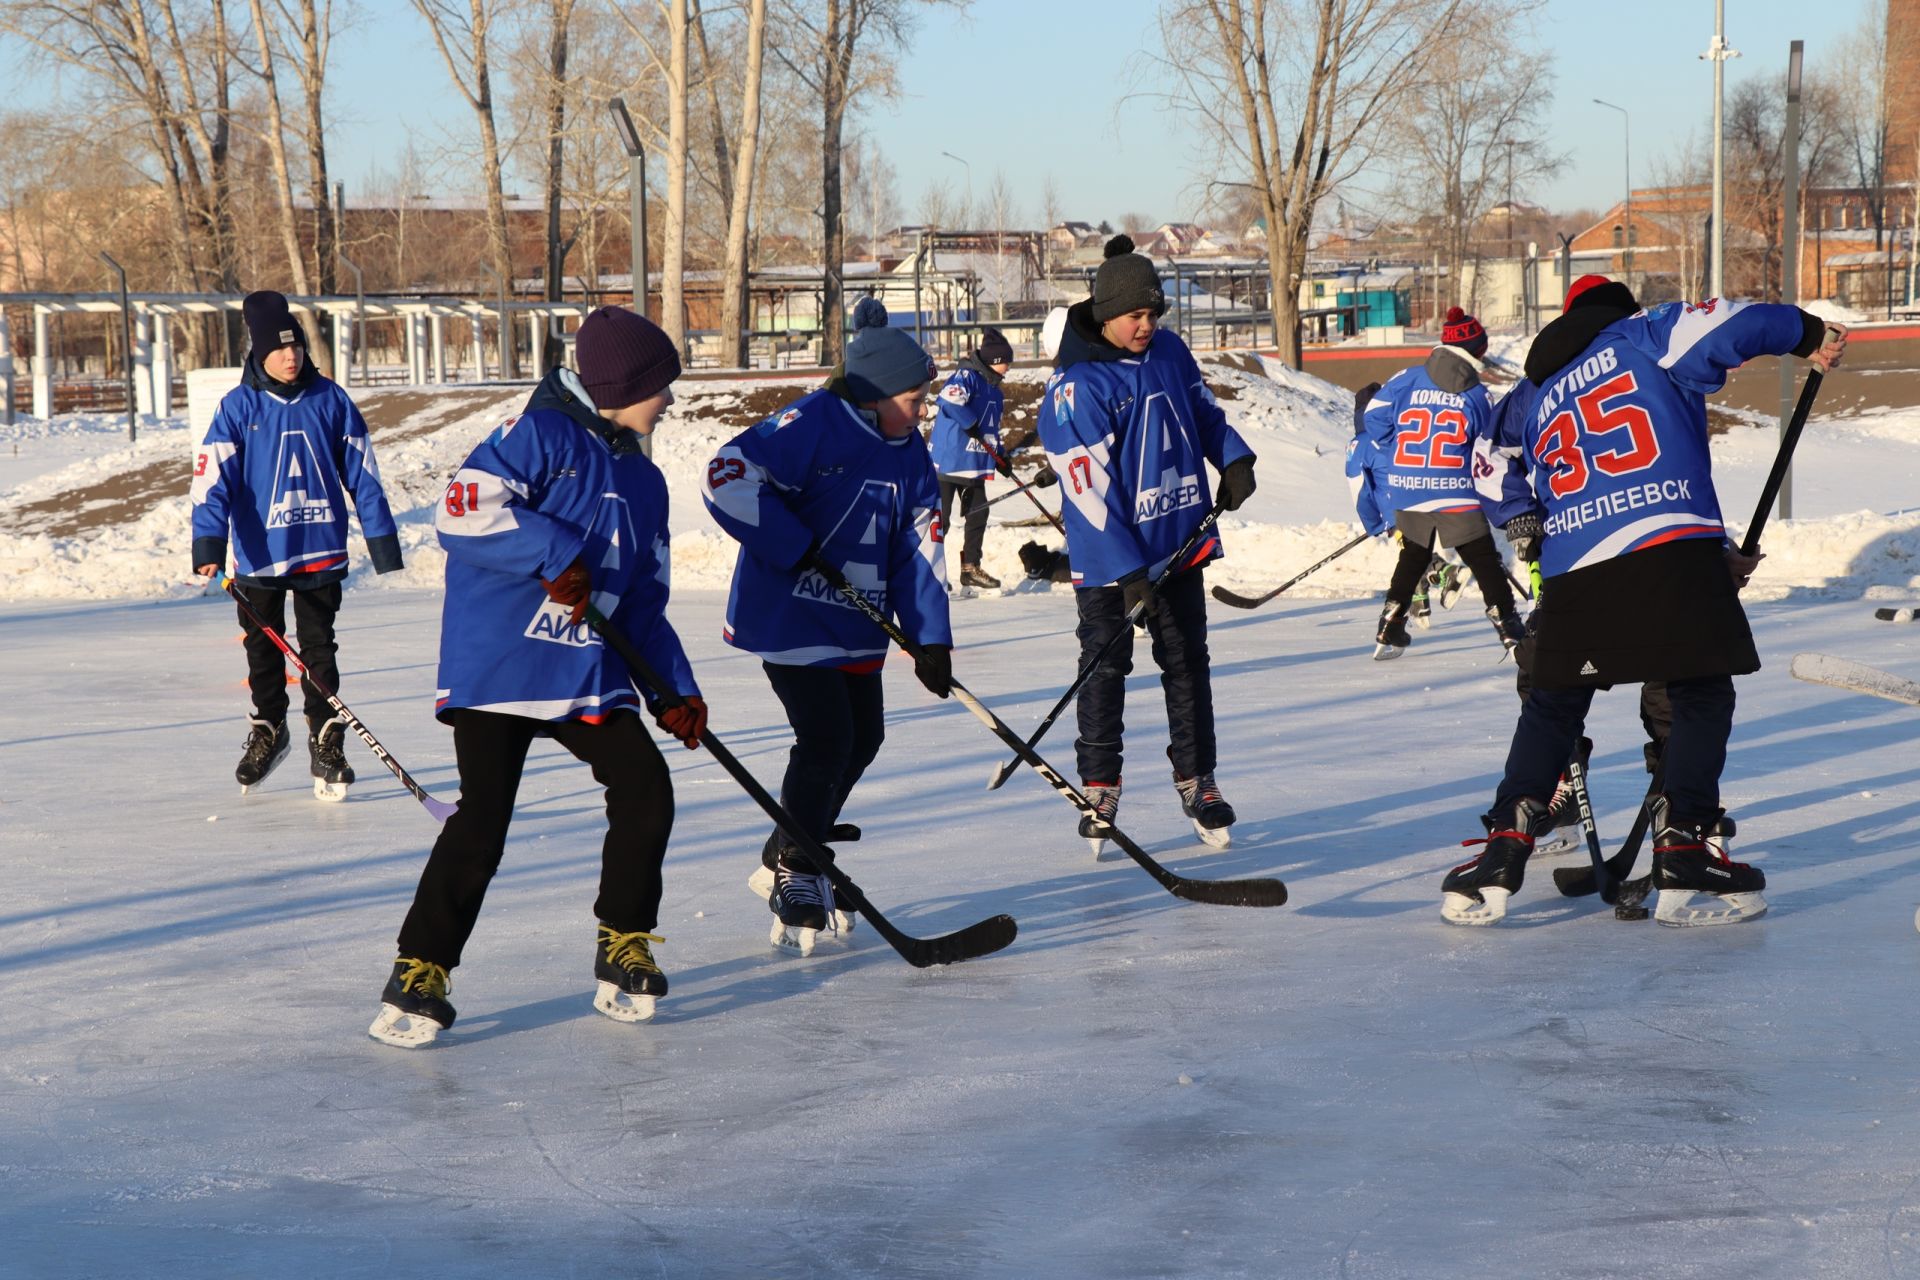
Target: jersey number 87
[(1566, 444)]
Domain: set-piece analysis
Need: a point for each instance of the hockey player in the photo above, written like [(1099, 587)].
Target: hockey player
[(1612, 493), (285, 449), (1416, 463), (836, 487), (558, 508), (1129, 425), (966, 446)]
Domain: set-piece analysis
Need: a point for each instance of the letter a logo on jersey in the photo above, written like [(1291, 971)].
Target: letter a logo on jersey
[(1168, 479), (299, 486)]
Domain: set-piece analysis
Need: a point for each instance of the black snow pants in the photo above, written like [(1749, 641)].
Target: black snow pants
[(1481, 558), (972, 491), (839, 721), (1178, 629), (313, 613)]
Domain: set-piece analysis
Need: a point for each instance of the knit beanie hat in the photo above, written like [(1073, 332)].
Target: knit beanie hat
[(1598, 291), (1052, 330), (1464, 331), (1125, 282), (623, 357), (270, 322), (882, 361), (994, 347)]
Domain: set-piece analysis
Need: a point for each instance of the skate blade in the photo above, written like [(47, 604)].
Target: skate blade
[(395, 1026), (623, 1006), (1559, 844), (1458, 908), (1387, 652), (795, 941), (1684, 908), (331, 792), (1212, 837), (1098, 845), (761, 882), (1424, 621)]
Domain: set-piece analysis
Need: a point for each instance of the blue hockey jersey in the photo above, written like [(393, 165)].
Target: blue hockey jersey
[(1419, 430), (820, 474), (1612, 445), (551, 485), (276, 467), (969, 408), (1129, 437)]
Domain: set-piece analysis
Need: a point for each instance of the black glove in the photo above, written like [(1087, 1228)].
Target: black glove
[(1138, 590), (933, 666), (1004, 467), (1524, 535), (1236, 483), (1045, 477), (825, 568)]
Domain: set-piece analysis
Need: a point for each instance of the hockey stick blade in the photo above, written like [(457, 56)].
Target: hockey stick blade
[(1230, 893), (1896, 615), (1856, 677), (1239, 601), (979, 939), (1578, 882)]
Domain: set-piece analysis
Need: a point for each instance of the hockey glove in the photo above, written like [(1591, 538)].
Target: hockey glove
[(1138, 590), (687, 721), (1524, 535), (573, 588), (1236, 483), (1045, 477), (825, 568), (933, 666), (1001, 465)]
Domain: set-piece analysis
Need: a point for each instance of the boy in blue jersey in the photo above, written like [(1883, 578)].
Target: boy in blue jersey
[(1412, 471), (280, 458), (556, 509), (966, 446), (1609, 487), (1129, 426), (837, 485)]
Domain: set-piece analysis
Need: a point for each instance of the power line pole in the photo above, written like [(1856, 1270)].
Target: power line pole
[(1790, 253), (1718, 52)]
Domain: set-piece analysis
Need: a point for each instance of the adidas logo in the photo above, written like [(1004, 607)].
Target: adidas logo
[(1588, 669)]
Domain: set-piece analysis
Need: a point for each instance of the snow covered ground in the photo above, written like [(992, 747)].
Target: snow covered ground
[(1137, 1087)]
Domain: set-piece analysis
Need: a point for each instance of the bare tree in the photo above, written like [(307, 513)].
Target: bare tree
[(733, 320), (1295, 92), (311, 35), (1877, 58), (276, 140)]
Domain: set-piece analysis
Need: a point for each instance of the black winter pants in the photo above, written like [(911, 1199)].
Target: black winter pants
[(1480, 556), (1695, 754), (313, 614), (492, 750), (973, 509), (1178, 629), (839, 721)]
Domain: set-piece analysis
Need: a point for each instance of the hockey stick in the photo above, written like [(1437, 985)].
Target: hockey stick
[(1578, 882), (1233, 893), (1239, 601), (1822, 668), (999, 461), (978, 939), (1896, 615), (1005, 770), (440, 809), (1577, 779)]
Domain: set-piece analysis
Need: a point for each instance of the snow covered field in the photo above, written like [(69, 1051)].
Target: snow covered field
[(186, 1086)]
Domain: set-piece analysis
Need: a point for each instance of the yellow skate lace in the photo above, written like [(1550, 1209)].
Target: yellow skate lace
[(629, 951), (424, 977)]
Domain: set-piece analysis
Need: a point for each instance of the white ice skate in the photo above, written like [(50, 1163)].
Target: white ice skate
[(395, 1026), (622, 1006), (1458, 908), (414, 1005), (1691, 907), (1699, 883), (331, 792), (761, 882)]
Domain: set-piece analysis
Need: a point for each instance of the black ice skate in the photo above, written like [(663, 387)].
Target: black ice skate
[(763, 877), (1422, 611), (1509, 624), (972, 575), (1096, 826), (267, 746), (629, 978), (1448, 581), (1206, 808), (413, 1008), (1698, 883), (802, 908), (1564, 835), (1476, 892), (327, 749), (1391, 640)]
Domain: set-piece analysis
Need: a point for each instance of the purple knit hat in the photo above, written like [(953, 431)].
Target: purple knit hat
[(624, 357)]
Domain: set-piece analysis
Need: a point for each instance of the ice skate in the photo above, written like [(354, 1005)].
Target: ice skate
[(1206, 808), (1565, 835), (763, 877), (1449, 580), (413, 1008), (1698, 883), (267, 746), (1096, 826), (326, 748), (972, 575), (801, 907), (1422, 613), (1391, 640), (1476, 893), (629, 979)]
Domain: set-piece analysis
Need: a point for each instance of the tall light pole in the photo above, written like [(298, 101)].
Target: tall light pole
[(126, 342), (637, 194), (1718, 52), (969, 168), (1626, 155), (1790, 253)]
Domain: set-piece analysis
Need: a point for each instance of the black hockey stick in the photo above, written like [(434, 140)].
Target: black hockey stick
[(1233, 893), (1578, 882), (440, 809), (1239, 601), (1005, 770), (1577, 779), (998, 461), (979, 939)]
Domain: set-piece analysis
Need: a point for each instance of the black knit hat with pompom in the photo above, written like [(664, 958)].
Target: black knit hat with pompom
[(1126, 282)]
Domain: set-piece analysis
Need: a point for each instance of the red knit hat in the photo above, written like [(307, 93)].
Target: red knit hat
[(1599, 291), (1463, 331), (624, 357)]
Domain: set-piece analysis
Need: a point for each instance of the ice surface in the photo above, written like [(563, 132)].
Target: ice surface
[(187, 1088)]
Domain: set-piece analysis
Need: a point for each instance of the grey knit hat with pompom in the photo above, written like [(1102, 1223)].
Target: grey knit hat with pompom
[(1125, 282), (883, 361)]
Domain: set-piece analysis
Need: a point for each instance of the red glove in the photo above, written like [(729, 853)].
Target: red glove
[(573, 588), (687, 721)]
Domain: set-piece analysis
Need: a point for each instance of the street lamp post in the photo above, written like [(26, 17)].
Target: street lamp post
[(1626, 154), (1718, 52), (1790, 254), (637, 194), (126, 341), (969, 168)]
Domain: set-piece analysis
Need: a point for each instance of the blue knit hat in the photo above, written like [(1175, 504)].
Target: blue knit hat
[(882, 361)]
